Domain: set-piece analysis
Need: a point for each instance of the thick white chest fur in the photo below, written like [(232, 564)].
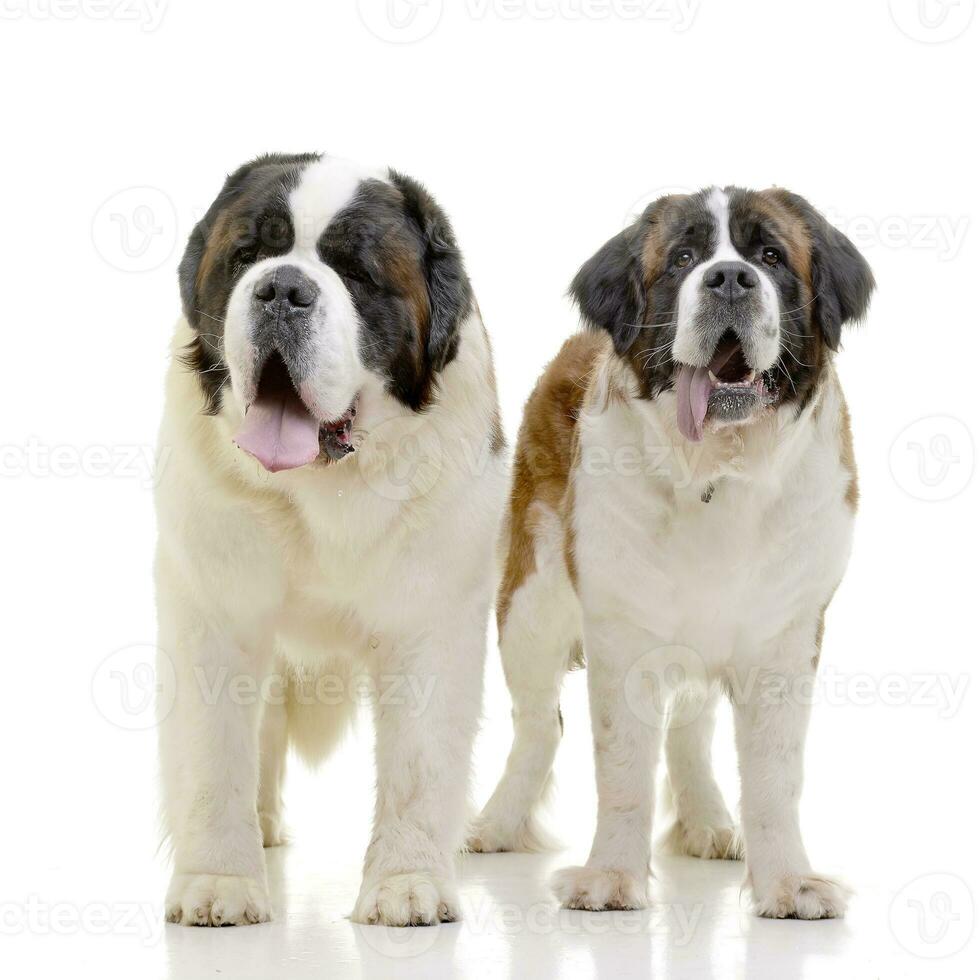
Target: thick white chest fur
[(720, 546)]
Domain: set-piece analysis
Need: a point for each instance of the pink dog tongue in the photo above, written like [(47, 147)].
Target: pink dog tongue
[(693, 389), (280, 433)]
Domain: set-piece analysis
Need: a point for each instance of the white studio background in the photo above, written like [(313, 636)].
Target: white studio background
[(542, 127)]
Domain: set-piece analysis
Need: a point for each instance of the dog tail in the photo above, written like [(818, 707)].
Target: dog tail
[(320, 710)]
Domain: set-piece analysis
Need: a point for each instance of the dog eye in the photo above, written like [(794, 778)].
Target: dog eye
[(683, 258), (770, 256)]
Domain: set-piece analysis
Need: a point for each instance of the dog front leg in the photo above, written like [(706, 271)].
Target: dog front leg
[(771, 717), (209, 755), (626, 732), (428, 693)]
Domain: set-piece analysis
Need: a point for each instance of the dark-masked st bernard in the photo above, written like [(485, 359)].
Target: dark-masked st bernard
[(327, 510)]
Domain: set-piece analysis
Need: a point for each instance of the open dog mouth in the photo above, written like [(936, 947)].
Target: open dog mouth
[(281, 432), (727, 389)]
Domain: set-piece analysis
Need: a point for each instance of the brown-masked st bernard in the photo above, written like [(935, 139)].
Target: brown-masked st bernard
[(327, 514), (683, 498)]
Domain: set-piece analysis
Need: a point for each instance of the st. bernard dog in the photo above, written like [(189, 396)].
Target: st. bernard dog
[(683, 497), (327, 516)]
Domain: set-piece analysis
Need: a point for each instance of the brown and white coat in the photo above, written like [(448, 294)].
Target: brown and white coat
[(691, 548)]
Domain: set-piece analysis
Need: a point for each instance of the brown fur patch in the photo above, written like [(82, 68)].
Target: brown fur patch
[(655, 241), (546, 447), (219, 241), (774, 205), (848, 461), (404, 275)]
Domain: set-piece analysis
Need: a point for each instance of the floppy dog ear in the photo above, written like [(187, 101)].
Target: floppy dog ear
[(189, 266), (450, 294), (609, 289), (842, 279)]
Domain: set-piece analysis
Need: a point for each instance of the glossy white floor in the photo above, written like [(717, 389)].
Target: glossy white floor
[(511, 928)]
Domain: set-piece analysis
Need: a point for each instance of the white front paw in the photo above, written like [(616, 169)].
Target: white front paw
[(216, 900), (806, 896), (599, 889), (413, 899)]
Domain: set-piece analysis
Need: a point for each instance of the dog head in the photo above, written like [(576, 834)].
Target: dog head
[(733, 298), (310, 280)]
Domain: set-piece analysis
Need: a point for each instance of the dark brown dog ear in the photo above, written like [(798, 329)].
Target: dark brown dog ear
[(609, 289), (842, 279), (450, 294)]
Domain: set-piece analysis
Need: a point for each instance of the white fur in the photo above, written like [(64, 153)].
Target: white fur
[(313, 572), (677, 597)]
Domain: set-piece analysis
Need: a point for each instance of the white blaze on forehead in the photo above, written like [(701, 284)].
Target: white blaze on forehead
[(718, 205), (325, 188)]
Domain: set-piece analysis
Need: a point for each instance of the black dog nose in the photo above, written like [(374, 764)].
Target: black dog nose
[(288, 287), (731, 280)]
